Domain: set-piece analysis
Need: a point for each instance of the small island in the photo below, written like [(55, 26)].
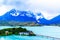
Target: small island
[(16, 31)]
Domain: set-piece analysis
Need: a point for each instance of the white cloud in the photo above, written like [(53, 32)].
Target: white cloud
[(4, 9), (48, 15), (49, 8)]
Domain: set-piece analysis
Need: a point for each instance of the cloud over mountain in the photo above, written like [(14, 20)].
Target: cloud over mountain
[(48, 8)]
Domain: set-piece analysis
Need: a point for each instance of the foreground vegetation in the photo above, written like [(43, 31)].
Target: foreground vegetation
[(14, 31)]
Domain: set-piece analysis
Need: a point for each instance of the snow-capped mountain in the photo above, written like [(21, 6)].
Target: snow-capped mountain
[(25, 16), (16, 15)]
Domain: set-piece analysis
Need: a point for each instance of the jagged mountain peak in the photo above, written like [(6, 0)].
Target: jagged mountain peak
[(15, 12), (17, 15)]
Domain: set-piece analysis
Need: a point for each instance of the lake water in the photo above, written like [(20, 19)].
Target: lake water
[(17, 37), (52, 31)]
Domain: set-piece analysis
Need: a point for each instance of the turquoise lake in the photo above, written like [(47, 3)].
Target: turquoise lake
[(18, 37), (48, 30)]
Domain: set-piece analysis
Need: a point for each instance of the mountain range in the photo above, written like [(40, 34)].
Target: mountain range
[(27, 16)]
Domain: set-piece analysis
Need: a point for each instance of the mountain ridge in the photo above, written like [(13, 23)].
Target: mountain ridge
[(27, 16)]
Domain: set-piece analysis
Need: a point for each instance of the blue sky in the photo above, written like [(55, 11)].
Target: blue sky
[(48, 8)]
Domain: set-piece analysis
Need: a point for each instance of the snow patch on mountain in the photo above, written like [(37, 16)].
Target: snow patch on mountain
[(15, 14), (30, 14), (38, 16), (45, 14)]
